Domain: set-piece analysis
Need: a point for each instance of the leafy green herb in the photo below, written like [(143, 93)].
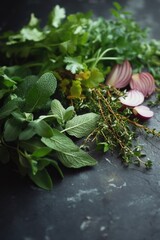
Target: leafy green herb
[(82, 125), (68, 153), (51, 89)]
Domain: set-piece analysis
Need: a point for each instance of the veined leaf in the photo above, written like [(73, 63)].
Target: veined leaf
[(60, 142), (82, 125), (44, 162), (60, 113), (31, 145), (58, 110), (69, 112), (76, 159), (68, 153), (42, 128), (41, 152), (27, 83), (40, 93)]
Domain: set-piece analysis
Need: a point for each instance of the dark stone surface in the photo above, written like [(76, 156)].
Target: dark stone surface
[(108, 201)]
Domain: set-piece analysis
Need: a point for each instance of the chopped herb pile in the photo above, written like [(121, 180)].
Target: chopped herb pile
[(53, 91)]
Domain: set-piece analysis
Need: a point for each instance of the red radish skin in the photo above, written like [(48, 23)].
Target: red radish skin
[(132, 98), (143, 112), (143, 82), (120, 75)]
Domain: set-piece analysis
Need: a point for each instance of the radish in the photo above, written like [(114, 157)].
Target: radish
[(143, 112), (143, 82), (120, 75), (132, 98)]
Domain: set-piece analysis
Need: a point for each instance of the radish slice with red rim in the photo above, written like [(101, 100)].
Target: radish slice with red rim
[(132, 98)]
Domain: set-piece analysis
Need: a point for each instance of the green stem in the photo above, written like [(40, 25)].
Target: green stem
[(104, 58), (100, 57)]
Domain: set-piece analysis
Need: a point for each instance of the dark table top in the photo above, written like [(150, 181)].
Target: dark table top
[(108, 201)]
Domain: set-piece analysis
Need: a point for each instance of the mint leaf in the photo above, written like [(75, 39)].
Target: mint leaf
[(58, 110), (31, 145), (76, 159), (41, 152), (60, 113), (69, 112), (68, 153), (43, 162), (42, 128), (82, 125), (60, 142)]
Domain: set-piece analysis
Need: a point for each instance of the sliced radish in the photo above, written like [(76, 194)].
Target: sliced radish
[(143, 112), (120, 75), (132, 98), (143, 82)]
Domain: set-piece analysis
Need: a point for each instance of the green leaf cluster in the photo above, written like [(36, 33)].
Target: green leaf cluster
[(35, 141), (50, 74)]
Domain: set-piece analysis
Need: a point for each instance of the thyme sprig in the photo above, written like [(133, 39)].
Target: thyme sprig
[(116, 127)]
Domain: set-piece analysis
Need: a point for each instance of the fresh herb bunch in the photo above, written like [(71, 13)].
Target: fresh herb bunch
[(80, 49), (117, 127), (33, 139), (51, 90)]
